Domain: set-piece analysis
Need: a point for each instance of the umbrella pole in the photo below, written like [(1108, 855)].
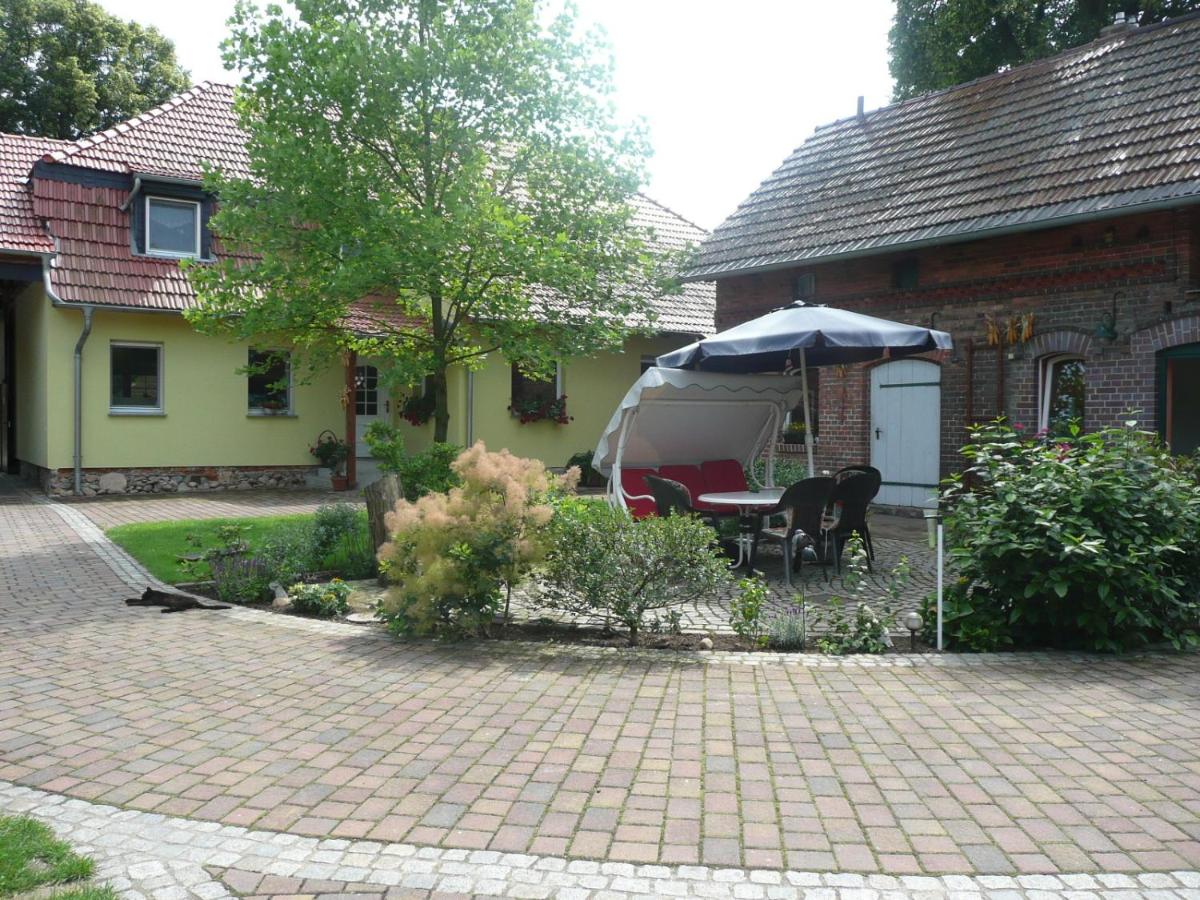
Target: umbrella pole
[(807, 415)]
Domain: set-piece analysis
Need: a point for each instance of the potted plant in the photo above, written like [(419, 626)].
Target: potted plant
[(793, 434), (332, 452), (417, 409)]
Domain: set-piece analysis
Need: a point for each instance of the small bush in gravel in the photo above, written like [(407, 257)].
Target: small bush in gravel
[(748, 610), (787, 633), (324, 600), (331, 522), (603, 564)]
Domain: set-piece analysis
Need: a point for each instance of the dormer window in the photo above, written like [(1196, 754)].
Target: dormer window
[(172, 227)]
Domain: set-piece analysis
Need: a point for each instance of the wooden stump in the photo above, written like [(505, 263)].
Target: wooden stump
[(381, 499)]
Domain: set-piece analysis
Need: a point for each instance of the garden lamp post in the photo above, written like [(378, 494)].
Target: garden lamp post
[(933, 517), (913, 623)]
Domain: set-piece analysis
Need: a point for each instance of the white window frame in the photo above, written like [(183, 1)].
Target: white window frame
[(289, 408), (138, 410), (1046, 382), (171, 254)]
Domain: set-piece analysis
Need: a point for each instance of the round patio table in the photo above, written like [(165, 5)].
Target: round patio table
[(750, 505)]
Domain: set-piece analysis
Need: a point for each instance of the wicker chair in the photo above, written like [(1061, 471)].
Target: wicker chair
[(803, 506), (849, 503), (673, 498)]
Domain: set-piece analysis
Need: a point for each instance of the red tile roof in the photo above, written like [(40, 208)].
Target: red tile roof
[(20, 230), (170, 140), (95, 261)]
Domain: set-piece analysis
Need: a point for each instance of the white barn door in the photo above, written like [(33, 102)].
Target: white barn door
[(906, 412)]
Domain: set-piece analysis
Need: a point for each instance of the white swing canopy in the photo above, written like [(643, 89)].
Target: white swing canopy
[(682, 416)]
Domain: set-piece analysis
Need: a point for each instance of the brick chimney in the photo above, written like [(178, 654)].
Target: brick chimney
[(1122, 23)]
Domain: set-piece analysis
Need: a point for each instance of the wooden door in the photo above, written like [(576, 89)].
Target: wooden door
[(906, 409)]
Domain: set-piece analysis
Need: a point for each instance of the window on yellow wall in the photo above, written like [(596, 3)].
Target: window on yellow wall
[(269, 383), (135, 378), (530, 395)]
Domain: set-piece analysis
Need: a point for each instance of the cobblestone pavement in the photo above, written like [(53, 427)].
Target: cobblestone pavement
[(1018, 765), (110, 511)]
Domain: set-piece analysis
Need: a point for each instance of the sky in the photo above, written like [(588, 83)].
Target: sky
[(727, 88)]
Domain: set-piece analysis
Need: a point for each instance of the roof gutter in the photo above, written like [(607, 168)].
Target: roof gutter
[(966, 236)]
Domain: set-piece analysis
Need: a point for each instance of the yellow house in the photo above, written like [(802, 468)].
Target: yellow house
[(107, 389)]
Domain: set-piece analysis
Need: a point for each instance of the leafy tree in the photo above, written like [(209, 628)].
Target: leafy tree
[(940, 43), (68, 67), (453, 160)]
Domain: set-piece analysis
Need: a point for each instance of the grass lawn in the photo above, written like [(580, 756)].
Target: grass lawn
[(158, 545), (32, 857)]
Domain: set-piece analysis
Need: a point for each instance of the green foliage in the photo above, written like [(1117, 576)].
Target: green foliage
[(603, 564), (939, 43), (326, 601), (429, 471), (787, 472), (330, 524), (32, 857), (788, 632), (330, 451), (69, 68), (452, 161), (455, 555), (747, 610), (588, 475), (864, 631), (1089, 542)]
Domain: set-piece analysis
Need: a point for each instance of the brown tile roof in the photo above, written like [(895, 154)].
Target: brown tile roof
[(95, 263), (20, 230), (170, 140), (1104, 127)]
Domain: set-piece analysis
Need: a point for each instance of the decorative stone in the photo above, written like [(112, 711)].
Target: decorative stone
[(113, 483), (281, 599), (361, 618), (706, 643)]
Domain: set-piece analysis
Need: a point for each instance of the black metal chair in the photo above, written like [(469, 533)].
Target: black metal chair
[(848, 505), (803, 506)]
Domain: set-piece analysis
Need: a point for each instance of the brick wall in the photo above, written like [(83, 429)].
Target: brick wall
[(1071, 280)]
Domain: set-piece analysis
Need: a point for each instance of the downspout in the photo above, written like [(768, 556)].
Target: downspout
[(83, 336), (88, 312), (470, 408)]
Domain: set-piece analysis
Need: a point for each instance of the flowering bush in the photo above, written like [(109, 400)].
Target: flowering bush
[(456, 554), (866, 631), (604, 564), (323, 600), (1090, 541)]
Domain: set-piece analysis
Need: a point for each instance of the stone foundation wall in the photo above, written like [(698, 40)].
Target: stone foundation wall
[(96, 482)]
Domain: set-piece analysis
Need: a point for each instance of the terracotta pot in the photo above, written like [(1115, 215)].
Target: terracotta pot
[(340, 482)]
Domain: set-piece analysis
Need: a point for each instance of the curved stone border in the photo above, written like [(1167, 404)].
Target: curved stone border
[(148, 855)]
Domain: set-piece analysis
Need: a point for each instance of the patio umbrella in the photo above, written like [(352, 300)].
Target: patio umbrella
[(800, 335)]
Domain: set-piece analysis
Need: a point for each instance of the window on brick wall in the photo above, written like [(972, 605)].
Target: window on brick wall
[(1062, 393)]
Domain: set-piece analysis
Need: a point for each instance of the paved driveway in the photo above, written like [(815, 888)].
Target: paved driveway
[(972, 765)]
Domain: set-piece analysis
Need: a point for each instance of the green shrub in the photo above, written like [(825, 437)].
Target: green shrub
[(788, 632), (605, 565), (787, 471), (428, 472), (864, 631), (240, 579), (323, 600), (1087, 542), (587, 475), (455, 556), (331, 522), (747, 610), (286, 554)]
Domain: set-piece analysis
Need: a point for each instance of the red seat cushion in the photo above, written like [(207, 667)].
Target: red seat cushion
[(724, 475), (691, 478), (633, 484)]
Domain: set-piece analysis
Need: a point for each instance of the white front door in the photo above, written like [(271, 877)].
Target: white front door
[(370, 405), (906, 411)]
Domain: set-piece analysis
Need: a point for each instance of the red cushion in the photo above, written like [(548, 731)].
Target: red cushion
[(633, 483), (724, 475), (691, 478)]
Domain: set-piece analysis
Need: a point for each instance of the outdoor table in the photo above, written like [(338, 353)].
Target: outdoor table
[(749, 506)]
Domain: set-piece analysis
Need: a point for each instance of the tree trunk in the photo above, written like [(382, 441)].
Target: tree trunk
[(381, 497), (441, 407)]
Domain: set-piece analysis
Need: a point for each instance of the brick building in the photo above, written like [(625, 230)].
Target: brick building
[(1046, 217)]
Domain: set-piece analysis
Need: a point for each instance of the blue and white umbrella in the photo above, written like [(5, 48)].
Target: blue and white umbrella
[(795, 337)]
